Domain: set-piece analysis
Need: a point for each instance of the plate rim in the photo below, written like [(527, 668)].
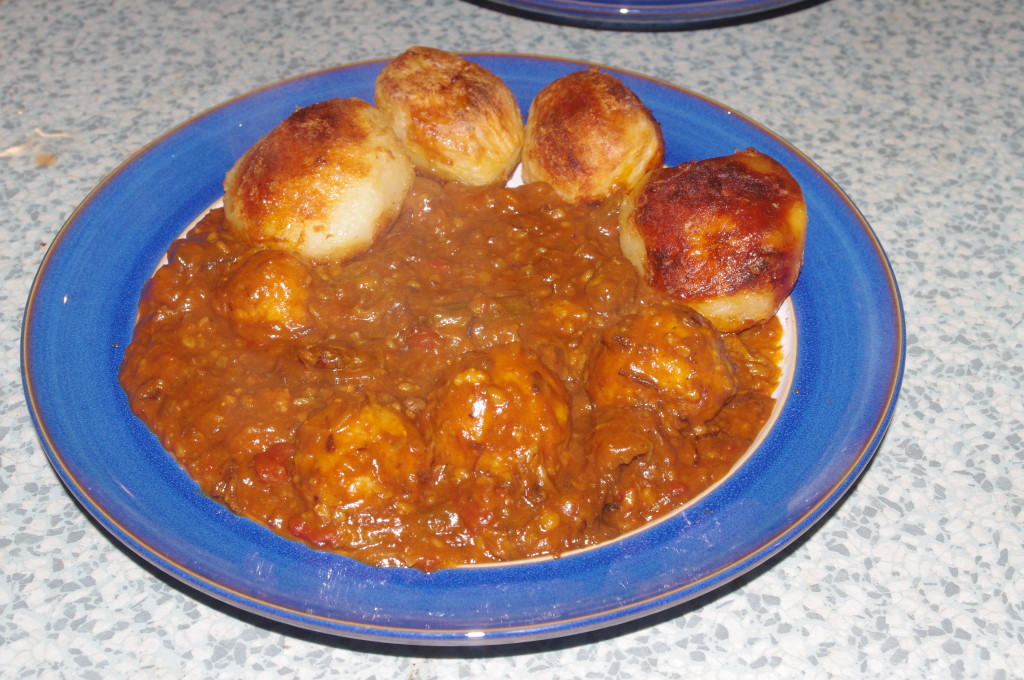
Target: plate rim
[(767, 547), (628, 16)]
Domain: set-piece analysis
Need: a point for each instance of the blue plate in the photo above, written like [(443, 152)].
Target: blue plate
[(641, 14), (82, 306)]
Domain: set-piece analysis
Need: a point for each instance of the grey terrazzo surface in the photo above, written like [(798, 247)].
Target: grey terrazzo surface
[(914, 107)]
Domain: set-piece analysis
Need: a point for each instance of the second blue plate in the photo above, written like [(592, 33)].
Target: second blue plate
[(642, 15)]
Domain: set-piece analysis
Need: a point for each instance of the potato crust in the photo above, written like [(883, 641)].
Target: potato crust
[(324, 183), (588, 135), (457, 120), (723, 235)]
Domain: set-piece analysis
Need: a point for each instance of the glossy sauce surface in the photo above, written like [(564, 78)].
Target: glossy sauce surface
[(489, 382)]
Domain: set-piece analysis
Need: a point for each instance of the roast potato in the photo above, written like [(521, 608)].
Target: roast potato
[(458, 121), (324, 183), (588, 135), (723, 235)]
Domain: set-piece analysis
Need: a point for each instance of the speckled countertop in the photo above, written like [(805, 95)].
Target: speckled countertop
[(915, 109)]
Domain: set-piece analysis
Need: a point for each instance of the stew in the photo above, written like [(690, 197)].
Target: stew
[(489, 382)]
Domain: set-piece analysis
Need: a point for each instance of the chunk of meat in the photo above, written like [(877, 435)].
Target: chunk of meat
[(359, 465), (502, 413), (667, 358), (267, 296)]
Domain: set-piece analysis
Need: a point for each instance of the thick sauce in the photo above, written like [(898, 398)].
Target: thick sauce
[(489, 382)]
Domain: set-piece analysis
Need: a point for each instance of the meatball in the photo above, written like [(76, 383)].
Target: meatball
[(324, 183), (723, 235), (359, 464), (667, 358), (588, 135), (502, 413), (266, 297), (458, 121)]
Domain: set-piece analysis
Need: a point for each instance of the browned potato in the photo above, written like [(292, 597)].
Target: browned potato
[(324, 183), (458, 121), (667, 359), (723, 235), (588, 135)]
